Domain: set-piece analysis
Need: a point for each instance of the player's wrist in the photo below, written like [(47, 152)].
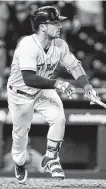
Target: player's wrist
[(88, 87), (82, 81), (61, 85), (58, 84)]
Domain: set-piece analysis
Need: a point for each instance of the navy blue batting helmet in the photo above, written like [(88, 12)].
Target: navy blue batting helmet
[(43, 15)]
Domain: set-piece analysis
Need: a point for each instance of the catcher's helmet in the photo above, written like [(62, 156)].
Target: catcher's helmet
[(43, 15)]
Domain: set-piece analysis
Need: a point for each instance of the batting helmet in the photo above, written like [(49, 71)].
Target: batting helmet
[(43, 15)]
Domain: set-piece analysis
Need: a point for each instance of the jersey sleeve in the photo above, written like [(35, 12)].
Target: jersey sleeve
[(67, 59), (27, 55)]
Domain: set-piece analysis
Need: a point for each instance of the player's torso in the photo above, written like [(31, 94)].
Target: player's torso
[(46, 63)]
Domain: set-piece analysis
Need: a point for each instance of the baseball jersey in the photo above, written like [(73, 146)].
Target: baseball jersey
[(29, 55)]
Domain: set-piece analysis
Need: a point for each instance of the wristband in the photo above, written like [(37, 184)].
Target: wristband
[(82, 81)]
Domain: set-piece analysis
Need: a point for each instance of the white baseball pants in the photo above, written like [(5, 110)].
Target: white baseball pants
[(49, 104)]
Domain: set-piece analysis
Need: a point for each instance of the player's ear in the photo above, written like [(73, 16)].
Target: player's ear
[(42, 27)]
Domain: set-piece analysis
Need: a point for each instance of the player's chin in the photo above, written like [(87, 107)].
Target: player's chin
[(57, 35)]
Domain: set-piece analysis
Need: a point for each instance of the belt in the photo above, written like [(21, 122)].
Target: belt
[(21, 92)]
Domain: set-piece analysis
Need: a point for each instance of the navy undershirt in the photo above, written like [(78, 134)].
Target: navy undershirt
[(46, 50)]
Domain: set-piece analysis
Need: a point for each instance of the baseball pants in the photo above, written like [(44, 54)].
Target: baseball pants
[(47, 103)]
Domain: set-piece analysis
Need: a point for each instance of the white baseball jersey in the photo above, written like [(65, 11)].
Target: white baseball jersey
[(29, 55)]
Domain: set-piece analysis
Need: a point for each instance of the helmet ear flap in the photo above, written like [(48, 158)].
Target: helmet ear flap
[(34, 24)]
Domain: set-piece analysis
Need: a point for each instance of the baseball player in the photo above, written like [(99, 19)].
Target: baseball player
[(30, 88)]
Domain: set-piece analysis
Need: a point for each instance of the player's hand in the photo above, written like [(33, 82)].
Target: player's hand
[(65, 87), (91, 94)]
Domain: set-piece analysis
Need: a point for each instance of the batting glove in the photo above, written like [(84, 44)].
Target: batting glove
[(65, 87), (91, 94)]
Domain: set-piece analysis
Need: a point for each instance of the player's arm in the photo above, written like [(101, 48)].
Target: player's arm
[(82, 80), (32, 80), (75, 68), (79, 75)]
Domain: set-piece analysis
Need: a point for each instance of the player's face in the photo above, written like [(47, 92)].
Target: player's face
[(53, 29)]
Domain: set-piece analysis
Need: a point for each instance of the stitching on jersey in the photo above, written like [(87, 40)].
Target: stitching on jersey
[(40, 48), (51, 58)]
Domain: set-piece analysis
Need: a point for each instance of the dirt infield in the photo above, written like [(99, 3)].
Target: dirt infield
[(39, 183)]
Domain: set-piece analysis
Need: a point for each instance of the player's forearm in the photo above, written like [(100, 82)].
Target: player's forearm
[(80, 76), (77, 71), (32, 80)]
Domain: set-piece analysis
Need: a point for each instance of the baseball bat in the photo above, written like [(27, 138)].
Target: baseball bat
[(99, 102)]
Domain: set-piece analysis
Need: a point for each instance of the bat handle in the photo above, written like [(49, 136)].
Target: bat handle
[(92, 103)]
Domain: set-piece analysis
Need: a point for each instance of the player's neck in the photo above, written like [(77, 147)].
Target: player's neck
[(45, 41)]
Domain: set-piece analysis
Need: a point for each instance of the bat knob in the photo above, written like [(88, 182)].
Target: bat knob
[(91, 103)]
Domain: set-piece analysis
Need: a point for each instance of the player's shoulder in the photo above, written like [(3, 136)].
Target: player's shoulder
[(59, 42), (25, 41)]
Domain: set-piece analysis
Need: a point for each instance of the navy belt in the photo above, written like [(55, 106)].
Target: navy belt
[(21, 92)]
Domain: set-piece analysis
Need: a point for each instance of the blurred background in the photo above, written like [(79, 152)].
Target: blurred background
[(83, 152)]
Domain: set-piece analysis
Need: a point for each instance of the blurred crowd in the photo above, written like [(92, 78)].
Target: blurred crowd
[(84, 31)]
